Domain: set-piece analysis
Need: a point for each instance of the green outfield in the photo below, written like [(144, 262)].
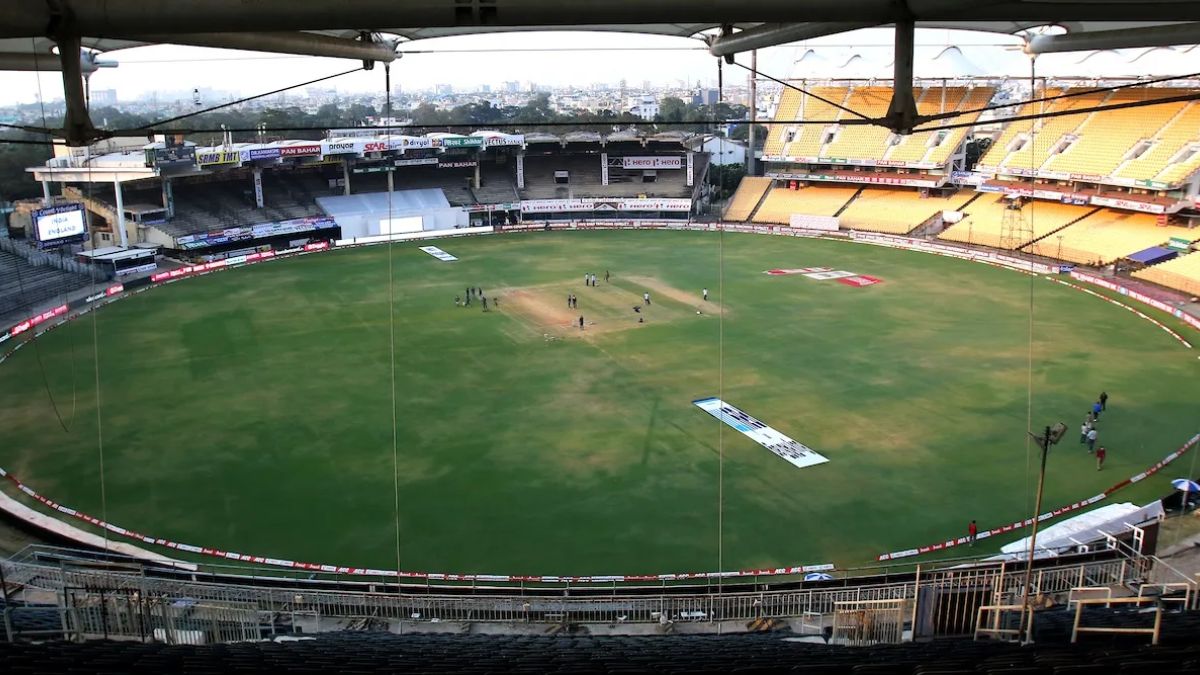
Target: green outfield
[(250, 410)]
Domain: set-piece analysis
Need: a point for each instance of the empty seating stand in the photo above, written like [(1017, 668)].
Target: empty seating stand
[(24, 286), (814, 200), (1181, 274), (749, 193), (379, 652)]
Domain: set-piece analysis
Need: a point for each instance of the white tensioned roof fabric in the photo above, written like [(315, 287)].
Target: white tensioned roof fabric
[(108, 25)]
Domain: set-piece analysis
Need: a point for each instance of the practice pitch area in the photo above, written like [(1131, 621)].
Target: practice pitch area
[(251, 410)]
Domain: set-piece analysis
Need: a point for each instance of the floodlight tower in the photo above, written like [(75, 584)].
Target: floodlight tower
[(1051, 436), (1015, 229)]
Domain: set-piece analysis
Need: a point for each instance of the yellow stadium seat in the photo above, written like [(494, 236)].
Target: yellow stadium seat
[(983, 223), (747, 196), (815, 200), (789, 104), (810, 137), (1106, 139), (895, 211), (1172, 138), (1108, 235), (868, 142), (1181, 274)]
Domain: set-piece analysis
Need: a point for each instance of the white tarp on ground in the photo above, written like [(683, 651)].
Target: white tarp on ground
[(795, 453), (361, 215), (1089, 527)]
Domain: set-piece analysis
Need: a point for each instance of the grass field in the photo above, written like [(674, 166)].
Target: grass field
[(250, 410)]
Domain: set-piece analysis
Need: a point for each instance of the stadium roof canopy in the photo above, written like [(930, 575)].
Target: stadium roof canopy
[(35, 34)]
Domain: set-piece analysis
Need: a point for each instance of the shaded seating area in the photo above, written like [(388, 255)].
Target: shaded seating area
[(367, 652)]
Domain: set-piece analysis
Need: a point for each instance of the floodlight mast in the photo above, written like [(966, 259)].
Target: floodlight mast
[(1047, 438)]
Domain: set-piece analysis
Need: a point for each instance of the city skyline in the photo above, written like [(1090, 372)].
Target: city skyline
[(552, 59), (462, 62)]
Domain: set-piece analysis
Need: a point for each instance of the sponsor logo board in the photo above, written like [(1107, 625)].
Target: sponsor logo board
[(416, 161), (570, 205), (462, 142), (825, 276), (340, 148), (859, 280), (652, 162), (262, 153), (795, 453), (438, 253), (300, 150), (208, 158), (798, 270)]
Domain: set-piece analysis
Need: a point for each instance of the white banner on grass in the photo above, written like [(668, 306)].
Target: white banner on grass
[(795, 453), (826, 276), (438, 253)]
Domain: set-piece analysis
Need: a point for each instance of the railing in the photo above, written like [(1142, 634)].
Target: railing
[(128, 603), (996, 621), (869, 622), (1153, 631)]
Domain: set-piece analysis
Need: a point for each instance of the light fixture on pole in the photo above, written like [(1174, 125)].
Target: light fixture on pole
[(1051, 436)]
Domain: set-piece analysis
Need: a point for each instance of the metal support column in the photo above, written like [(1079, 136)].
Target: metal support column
[(168, 197), (753, 112), (120, 224), (258, 187), (902, 112), (77, 124)]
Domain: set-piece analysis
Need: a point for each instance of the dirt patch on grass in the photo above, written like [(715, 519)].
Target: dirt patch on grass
[(658, 289), (539, 309), (543, 310)]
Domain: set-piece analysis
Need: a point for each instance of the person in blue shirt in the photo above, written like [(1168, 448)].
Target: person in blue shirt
[(1096, 408)]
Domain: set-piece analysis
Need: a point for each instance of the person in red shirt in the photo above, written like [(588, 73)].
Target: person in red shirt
[(1100, 453), (972, 530)]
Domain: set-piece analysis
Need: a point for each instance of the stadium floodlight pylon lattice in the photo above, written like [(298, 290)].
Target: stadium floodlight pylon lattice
[(1015, 229)]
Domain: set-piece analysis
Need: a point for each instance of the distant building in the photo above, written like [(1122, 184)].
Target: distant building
[(645, 107), (486, 89), (104, 97), (512, 87), (721, 151)]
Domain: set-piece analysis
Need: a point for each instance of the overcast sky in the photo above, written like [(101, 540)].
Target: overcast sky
[(556, 58)]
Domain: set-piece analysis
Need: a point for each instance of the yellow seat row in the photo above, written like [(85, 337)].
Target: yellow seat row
[(1108, 235), (815, 200), (896, 211), (1107, 138), (866, 142), (809, 138), (1168, 142), (862, 141), (983, 223), (789, 105), (748, 193), (1182, 274), (1045, 135), (977, 98)]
